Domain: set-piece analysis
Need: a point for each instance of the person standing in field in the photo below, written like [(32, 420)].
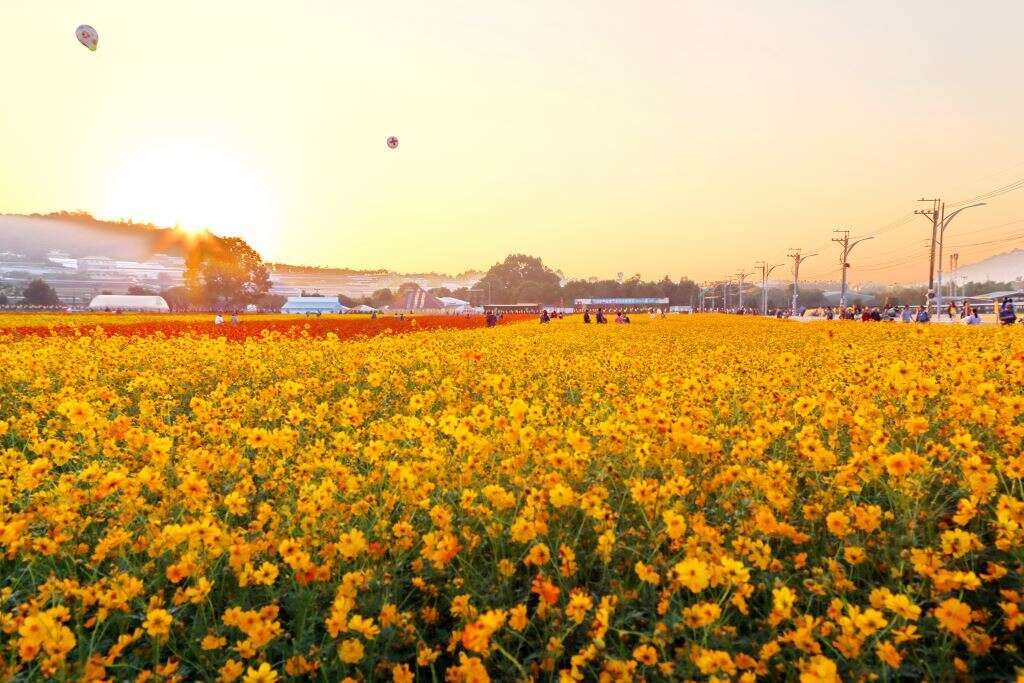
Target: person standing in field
[(586, 316), (218, 319), (1007, 316)]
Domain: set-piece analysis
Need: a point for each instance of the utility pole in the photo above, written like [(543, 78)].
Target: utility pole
[(798, 258), (943, 224), (766, 270), (844, 259), (954, 265), (933, 215), (741, 276)]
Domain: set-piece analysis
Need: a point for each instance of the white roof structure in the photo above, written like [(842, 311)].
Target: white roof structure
[(1012, 293), (128, 302), (312, 304), (363, 308), (452, 302)]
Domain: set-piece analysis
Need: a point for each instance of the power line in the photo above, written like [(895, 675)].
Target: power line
[(1001, 240), (992, 227), (1016, 185)]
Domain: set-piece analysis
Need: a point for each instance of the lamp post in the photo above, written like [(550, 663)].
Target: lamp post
[(766, 270), (798, 258), (942, 231), (844, 260)]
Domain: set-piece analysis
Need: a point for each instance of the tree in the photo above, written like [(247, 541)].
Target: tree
[(508, 279), (176, 298), (38, 293), (381, 298), (225, 272), (271, 302)]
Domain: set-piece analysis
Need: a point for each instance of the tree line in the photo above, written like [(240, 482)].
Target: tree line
[(225, 273)]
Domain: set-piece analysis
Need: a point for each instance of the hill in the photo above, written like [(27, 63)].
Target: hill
[(79, 235), (999, 268)]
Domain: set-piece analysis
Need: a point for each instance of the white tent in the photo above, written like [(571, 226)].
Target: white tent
[(312, 305), (128, 302), (363, 308)]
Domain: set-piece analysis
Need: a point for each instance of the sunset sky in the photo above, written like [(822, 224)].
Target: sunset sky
[(662, 137)]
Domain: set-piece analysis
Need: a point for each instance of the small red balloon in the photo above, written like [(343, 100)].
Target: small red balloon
[(392, 142)]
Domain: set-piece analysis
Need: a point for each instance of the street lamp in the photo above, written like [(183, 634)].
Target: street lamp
[(846, 264), (942, 231), (765, 272)]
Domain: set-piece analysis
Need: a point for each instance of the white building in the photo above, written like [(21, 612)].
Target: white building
[(128, 302), (312, 305)]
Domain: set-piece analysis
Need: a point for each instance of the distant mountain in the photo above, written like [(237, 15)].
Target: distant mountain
[(81, 235), (78, 235), (999, 268)]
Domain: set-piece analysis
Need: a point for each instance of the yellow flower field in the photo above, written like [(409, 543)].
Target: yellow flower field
[(703, 497)]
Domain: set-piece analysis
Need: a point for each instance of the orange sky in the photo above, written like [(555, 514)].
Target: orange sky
[(660, 137)]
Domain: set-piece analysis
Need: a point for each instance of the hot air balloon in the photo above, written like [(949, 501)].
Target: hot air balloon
[(393, 142), (87, 36)]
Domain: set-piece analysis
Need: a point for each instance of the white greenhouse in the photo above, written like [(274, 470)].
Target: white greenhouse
[(128, 302)]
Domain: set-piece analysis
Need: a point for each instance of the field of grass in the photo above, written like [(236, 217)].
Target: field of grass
[(703, 497)]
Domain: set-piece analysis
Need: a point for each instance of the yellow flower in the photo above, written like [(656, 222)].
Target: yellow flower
[(675, 524), (854, 554), (363, 626), (561, 496), (646, 573), (646, 655), (350, 651), (264, 674), (400, 673), (212, 642), (819, 669), (539, 555), (231, 671), (517, 617), (693, 574), (838, 523), (158, 622), (579, 604), (953, 615), (888, 653)]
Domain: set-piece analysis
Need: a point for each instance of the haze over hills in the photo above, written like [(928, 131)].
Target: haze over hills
[(79, 235), (1004, 267), (81, 257)]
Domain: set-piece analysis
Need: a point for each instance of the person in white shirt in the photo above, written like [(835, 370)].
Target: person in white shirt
[(218, 319)]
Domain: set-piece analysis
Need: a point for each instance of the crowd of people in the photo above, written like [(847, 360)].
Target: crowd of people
[(965, 313)]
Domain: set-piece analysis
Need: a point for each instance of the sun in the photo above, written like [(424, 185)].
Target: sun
[(195, 189)]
